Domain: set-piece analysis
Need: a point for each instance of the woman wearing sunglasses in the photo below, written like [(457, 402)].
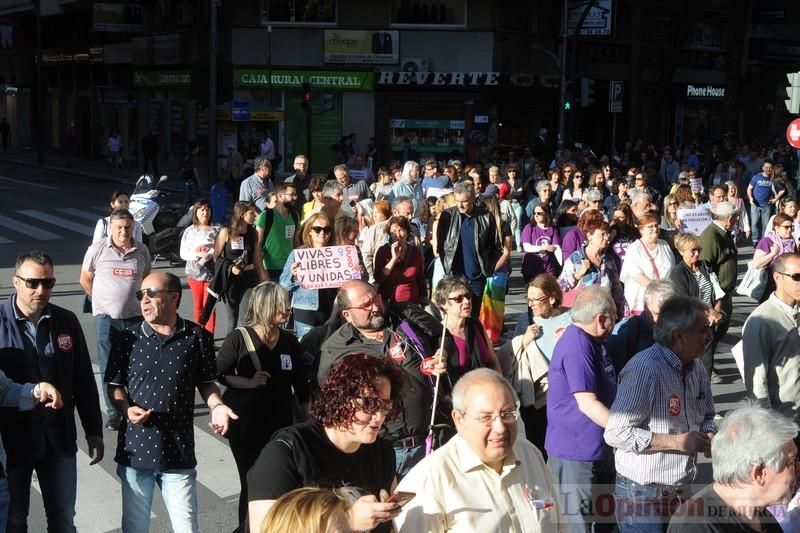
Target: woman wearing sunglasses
[(339, 446), (779, 240), (541, 243), (311, 307), (466, 340), (237, 257)]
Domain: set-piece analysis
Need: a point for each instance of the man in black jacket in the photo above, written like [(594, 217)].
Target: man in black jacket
[(44, 440), (468, 242)]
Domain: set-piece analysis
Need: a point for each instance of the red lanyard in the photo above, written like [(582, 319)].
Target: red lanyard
[(650, 257)]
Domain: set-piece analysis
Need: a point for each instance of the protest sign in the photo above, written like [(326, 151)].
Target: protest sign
[(694, 220), (696, 184), (436, 192), (327, 267)]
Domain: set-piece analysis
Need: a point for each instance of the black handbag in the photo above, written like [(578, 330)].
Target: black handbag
[(243, 401)]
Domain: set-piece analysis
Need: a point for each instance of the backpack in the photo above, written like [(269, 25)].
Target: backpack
[(269, 219)]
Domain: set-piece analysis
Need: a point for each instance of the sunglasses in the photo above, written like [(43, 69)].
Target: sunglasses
[(458, 299), (150, 292), (795, 276), (33, 283), (787, 226), (697, 250), (322, 229), (538, 212)]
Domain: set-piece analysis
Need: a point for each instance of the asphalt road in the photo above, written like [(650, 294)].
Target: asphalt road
[(55, 212)]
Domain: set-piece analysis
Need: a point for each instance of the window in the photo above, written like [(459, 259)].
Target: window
[(443, 12), (706, 35), (314, 11)]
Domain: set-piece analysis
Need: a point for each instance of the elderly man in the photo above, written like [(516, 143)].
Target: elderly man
[(255, 188), (369, 329), (468, 243), (662, 417), (635, 333), (48, 346), (352, 191), (717, 194), (754, 461), (485, 478), (640, 203), (408, 185), (152, 373), (581, 387), (111, 272), (332, 199), (301, 179), (771, 342), (719, 252)]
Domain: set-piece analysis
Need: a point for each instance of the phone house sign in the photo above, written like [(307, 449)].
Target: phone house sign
[(713, 92)]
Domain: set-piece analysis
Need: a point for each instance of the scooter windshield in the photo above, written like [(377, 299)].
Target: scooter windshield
[(145, 184)]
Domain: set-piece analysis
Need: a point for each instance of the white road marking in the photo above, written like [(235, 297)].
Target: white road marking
[(30, 184), (216, 469), (27, 229), (58, 221), (78, 213)]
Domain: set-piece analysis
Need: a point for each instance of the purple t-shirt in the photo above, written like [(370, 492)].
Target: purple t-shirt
[(787, 246), (572, 241), (579, 364), (534, 263)]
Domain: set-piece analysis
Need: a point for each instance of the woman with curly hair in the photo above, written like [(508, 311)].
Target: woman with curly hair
[(339, 446)]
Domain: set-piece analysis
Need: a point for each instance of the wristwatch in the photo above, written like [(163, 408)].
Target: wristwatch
[(35, 391)]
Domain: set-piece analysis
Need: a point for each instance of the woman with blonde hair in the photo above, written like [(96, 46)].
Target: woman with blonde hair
[(310, 510), (312, 307), (262, 366), (734, 197), (670, 224)]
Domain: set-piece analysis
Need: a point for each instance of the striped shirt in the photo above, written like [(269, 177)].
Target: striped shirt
[(658, 394)]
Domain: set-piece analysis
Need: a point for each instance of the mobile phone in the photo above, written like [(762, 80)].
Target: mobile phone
[(401, 498)]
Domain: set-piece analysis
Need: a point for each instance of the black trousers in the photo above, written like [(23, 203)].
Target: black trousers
[(245, 451)]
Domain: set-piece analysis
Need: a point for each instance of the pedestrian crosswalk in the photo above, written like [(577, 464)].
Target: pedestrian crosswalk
[(25, 225)]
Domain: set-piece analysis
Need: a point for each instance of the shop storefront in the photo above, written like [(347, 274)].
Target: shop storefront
[(275, 101), (698, 112)]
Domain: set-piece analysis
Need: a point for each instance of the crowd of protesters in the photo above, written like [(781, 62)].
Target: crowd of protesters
[(390, 400)]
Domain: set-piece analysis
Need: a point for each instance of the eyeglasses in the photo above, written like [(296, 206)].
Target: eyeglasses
[(322, 229), (639, 178), (33, 283), (696, 250), (373, 405), (150, 292), (532, 301), (650, 226), (538, 213), (673, 203), (487, 419), (365, 306), (578, 176), (787, 226), (795, 276), (458, 299)]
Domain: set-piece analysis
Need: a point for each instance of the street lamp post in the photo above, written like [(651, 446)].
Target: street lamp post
[(212, 93)]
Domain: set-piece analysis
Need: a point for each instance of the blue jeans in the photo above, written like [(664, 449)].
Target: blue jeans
[(585, 493), (759, 217), (58, 481), (518, 210), (406, 458), (178, 488), (645, 508), (103, 325)]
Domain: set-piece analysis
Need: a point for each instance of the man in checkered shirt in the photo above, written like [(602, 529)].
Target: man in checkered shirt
[(662, 417)]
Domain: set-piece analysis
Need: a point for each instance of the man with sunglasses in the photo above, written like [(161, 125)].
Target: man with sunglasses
[(111, 272), (152, 373), (52, 349), (485, 478), (369, 329), (771, 342)]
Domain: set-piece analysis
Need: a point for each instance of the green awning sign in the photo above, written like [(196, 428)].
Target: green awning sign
[(294, 79)]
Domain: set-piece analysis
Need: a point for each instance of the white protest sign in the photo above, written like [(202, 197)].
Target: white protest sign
[(696, 184), (437, 192), (327, 267), (694, 220)]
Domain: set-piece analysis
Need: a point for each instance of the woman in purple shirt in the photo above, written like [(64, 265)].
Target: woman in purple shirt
[(542, 245), (777, 241)]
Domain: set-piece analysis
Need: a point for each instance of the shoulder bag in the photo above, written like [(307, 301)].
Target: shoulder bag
[(753, 283), (242, 401)]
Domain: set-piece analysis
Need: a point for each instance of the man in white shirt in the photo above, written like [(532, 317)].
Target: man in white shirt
[(484, 478)]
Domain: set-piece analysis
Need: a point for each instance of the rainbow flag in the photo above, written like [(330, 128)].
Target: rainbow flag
[(493, 305)]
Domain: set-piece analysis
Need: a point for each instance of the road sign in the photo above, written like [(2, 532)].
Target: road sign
[(615, 96), (793, 92), (240, 111), (793, 133)]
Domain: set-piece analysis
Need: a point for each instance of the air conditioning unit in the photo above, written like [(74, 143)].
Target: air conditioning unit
[(415, 64)]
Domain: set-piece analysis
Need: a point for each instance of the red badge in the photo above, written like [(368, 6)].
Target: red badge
[(426, 366), (674, 405), (124, 272), (65, 342), (396, 353)]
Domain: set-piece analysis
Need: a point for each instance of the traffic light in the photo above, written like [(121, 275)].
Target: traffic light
[(327, 102), (307, 97), (567, 105), (587, 92), (793, 92), (569, 95)]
